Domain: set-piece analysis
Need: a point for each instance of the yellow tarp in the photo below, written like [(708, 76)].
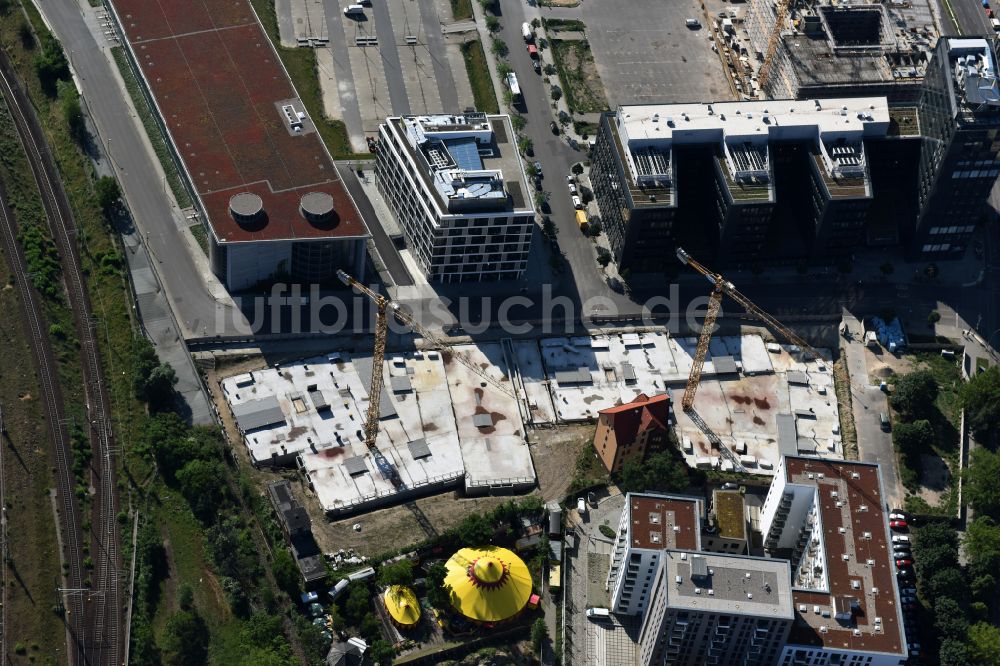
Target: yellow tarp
[(401, 604), (488, 584)]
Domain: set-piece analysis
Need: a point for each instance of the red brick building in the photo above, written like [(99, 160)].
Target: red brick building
[(628, 431)]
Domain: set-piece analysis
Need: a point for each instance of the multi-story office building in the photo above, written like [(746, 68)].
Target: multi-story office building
[(457, 186), (960, 159), (827, 518), (626, 432), (708, 608), (647, 208), (650, 525)]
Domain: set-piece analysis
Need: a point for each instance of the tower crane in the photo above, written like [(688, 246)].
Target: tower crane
[(720, 287), (383, 306), (781, 13)]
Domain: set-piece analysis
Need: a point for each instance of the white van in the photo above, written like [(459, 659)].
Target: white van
[(353, 9), (598, 613), (900, 539), (996, 24), (581, 507)]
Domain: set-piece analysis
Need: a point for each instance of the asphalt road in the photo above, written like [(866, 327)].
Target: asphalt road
[(556, 157), (971, 18)]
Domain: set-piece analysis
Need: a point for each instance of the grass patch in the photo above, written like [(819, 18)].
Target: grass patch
[(461, 9), (301, 67), (563, 25), (152, 127), (479, 77), (201, 235), (588, 471), (842, 385), (578, 75)]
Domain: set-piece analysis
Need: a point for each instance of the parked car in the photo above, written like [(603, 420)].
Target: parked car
[(554, 126), (898, 514), (538, 168), (898, 524), (904, 562), (537, 66), (905, 574), (900, 538), (572, 188), (577, 202)]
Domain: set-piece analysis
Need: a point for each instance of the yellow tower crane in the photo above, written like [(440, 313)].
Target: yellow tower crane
[(721, 286), (383, 306), (780, 15)]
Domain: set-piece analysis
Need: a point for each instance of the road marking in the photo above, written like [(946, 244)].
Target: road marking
[(951, 12)]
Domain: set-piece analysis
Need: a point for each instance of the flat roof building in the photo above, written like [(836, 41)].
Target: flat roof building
[(458, 189), (827, 518), (262, 178), (960, 160), (708, 608), (647, 206), (650, 524)]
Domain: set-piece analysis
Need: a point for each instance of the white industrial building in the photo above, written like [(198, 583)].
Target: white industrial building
[(458, 189)]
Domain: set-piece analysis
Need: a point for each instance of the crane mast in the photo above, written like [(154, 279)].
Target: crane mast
[(722, 286), (781, 12), (383, 306)]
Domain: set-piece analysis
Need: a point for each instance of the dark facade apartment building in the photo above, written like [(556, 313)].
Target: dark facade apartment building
[(721, 178), (781, 181)]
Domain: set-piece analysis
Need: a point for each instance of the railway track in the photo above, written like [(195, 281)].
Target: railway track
[(98, 641)]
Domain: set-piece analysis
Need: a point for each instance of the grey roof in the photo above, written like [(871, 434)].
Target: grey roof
[(386, 408), (765, 593), (797, 377), (254, 414), (482, 420), (628, 372), (400, 384), (724, 365), (578, 376), (345, 654), (699, 567), (318, 400), (356, 465), (788, 439), (418, 448), (311, 567), (291, 513)]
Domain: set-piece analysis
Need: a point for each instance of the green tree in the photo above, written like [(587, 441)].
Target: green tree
[(185, 640), (539, 632), (383, 653), (577, 169), (946, 583), (953, 653), (264, 631), (984, 644), (660, 471), (503, 69), (286, 573), (356, 604), (397, 573), (201, 483), (982, 544), (603, 256), (982, 488), (492, 23), (437, 594), (950, 620), (914, 438), (518, 122), (69, 104), (108, 192), (474, 530), (51, 66), (980, 398), (556, 93), (914, 394), (160, 387), (499, 47)]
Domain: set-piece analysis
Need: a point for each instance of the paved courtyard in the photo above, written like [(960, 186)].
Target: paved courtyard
[(607, 643), (645, 53)]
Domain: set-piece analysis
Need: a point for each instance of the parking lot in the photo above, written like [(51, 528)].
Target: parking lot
[(391, 58), (645, 53)]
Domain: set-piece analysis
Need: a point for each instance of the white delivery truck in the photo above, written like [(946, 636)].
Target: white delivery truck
[(526, 32), (598, 613), (353, 9)]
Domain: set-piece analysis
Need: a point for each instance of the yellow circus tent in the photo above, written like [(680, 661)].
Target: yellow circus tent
[(402, 605), (488, 584)]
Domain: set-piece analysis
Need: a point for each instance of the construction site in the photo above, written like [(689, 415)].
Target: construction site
[(794, 49)]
